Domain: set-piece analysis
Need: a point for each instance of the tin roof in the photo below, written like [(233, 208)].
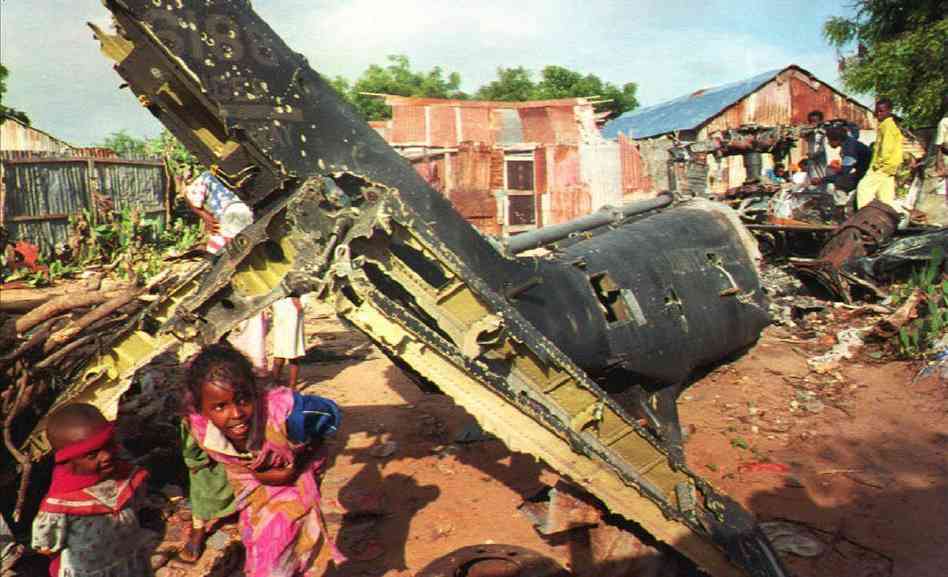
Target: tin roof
[(685, 112)]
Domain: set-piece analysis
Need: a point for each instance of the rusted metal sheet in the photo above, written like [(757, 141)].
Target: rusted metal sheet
[(768, 105), (408, 125), (537, 126), (14, 135), (475, 125), (635, 174), (861, 234), (807, 96), (539, 163), (442, 127), (565, 127), (574, 200), (565, 167), (510, 127)]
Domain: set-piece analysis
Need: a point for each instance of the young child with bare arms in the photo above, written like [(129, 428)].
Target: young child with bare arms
[(289, 343), (87, 522), (268, 444)]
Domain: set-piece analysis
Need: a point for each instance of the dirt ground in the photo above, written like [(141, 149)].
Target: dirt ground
[(855, 456)]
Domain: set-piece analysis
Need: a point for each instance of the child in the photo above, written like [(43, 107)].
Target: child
[(224, 216), (288, 341), (264, 440), (211, 496), (87, 520)]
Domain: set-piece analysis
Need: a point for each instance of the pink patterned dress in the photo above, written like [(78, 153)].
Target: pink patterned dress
[(281, 526)]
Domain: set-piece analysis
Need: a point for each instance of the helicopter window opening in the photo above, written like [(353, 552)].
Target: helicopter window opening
[(423, 266), (613, 305)]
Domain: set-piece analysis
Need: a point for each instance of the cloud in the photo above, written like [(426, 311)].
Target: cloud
[(669, 47)]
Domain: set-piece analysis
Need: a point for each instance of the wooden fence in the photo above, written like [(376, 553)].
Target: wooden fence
[(39, 192)]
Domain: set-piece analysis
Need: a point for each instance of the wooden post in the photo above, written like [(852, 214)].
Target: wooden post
[(92, 187), (171, 191), (3, 193)]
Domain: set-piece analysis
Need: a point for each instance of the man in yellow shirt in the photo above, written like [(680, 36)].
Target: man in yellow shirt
[(879, 181)]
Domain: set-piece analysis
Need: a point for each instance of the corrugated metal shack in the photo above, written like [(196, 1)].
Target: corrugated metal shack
[(508, 166), (777, 97), (44, 181)]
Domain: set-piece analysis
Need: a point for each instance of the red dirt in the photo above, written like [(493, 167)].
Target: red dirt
[(870, 468)]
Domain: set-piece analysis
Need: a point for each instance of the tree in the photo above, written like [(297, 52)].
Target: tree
[(512, 84), (5, 111), (165, 146), (396, 78), (560, 82), (516, 84), (901, 53), (125, 144)]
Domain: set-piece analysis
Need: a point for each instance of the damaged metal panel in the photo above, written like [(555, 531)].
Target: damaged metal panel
[(635, 173), (443, 126), (528, 346), (837, 265)]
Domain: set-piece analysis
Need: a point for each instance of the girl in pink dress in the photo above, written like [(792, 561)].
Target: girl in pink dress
[(267, 441)]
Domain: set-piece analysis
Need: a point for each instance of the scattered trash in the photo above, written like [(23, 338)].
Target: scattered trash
[(791, 538), (850, 341), (889, 326), (904, 253)]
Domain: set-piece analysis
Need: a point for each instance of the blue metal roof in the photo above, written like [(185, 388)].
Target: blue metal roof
[(685, 112)]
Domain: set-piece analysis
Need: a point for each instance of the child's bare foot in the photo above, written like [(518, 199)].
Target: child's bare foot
[(194, 547)]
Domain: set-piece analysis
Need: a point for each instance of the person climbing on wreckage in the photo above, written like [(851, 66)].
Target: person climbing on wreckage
[(268, 444), (879, 181), (854, 162), (224, 216)]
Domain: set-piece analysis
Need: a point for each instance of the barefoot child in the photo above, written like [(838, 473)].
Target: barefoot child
[(288, 340), (265, 441), (87, 520), (210, 493)]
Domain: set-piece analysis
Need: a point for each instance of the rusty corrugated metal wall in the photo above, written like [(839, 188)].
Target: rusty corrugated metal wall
[(636, 180), (15, 135), (574, 169), (785, 100)]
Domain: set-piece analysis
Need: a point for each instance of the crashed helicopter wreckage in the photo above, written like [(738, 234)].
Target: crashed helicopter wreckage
[(576, 357)]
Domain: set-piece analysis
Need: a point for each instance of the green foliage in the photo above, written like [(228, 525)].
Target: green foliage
[(739, 443), (916, 338), (125, 144), (165, 146), (5, 111), (396, 78), (516, 84), (902, 46), (511, 84)]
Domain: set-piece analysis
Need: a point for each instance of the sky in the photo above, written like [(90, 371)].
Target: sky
[(668, 47)]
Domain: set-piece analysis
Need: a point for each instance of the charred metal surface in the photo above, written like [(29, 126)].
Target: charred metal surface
[(862, 234), (492, 560), (523, 343), (750, 138)]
